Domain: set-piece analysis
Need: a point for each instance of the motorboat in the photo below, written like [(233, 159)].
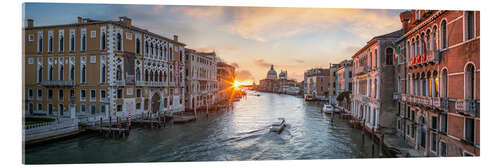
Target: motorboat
[(308, 97), (278, 125), (327, 108)]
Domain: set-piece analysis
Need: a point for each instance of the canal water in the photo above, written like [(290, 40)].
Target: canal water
[(239, 134)]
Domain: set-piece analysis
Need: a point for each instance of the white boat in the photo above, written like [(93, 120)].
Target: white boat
[(278, 125), (327, 108)]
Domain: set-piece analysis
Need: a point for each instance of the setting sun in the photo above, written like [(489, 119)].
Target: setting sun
[(238, 84)]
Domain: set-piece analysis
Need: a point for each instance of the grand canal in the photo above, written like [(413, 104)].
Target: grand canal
[(239, 134)]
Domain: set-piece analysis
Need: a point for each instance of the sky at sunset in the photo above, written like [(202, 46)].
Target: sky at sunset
[(251, 38)]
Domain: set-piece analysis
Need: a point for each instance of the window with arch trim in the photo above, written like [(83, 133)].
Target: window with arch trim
[(119, 41), (469, 81), (444, 41), (469, 15)]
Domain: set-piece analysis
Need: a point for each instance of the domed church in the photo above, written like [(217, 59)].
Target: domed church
[(271, 74)]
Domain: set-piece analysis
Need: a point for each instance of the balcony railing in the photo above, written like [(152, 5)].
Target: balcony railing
[(104, 100), (467, 106), (436, 102), (58, 83), (362, 70), (151, 83)]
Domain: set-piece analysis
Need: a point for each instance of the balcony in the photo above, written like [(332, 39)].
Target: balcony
[(151, 83), (362, 70), (50, 83), (426, 57), (120, 83), (436, 102), (104, 100), (467, 106)]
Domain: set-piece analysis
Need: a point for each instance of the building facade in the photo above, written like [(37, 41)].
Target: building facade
[(333, 84), (344, 81), (316, 82), (373, 83), (106, 68), (438, 82), (201, 79)]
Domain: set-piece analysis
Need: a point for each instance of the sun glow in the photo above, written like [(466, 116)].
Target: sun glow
[(238, 84)]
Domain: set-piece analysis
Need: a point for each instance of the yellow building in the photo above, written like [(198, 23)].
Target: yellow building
[(101, 68)]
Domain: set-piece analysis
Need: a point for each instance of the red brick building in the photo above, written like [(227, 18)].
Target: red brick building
[(437, 82)]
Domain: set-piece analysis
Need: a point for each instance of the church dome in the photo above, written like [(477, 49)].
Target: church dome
[(271, 74)]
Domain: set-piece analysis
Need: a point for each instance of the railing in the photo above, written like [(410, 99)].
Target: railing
[(120, 83), (58, 83), (436, 102), (46, 129), (104, 100), (467, 106), (362, 70), (151, 83)]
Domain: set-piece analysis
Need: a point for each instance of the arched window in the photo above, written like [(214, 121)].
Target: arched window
[(51, 72), (376, 58), (427, 41), (103, 40), (408, 49), (40, 44), (434, 38), (84, 74), (375, 87), (444, 83), (423, 85), (388, 56), (103, 73), (137, 74), (436, 84), (147, 76), (413, 48), (84, 42), (119, 73), (469, 81), (444, 41), (170, 76), (419, 45), (371, 60), (51, 43), (161, 77), (429, 84), (40, 74), (119, 41), (151, 75), (137, 46), (61, 43), (72, 43), (156, 76), (61, 72), (147, 47), (72, 73), (470, 25)]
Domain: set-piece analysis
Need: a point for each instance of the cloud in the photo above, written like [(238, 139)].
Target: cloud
[(299, 61), (157, 9), (203, 13), (262, 63), (243, 75)]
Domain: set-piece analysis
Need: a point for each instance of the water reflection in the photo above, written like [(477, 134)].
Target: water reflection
[(242, 134)]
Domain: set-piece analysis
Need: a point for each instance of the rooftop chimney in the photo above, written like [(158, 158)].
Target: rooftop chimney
[(80, 19), (405, 20), (30, 23), (126, 20), (175, 38)]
